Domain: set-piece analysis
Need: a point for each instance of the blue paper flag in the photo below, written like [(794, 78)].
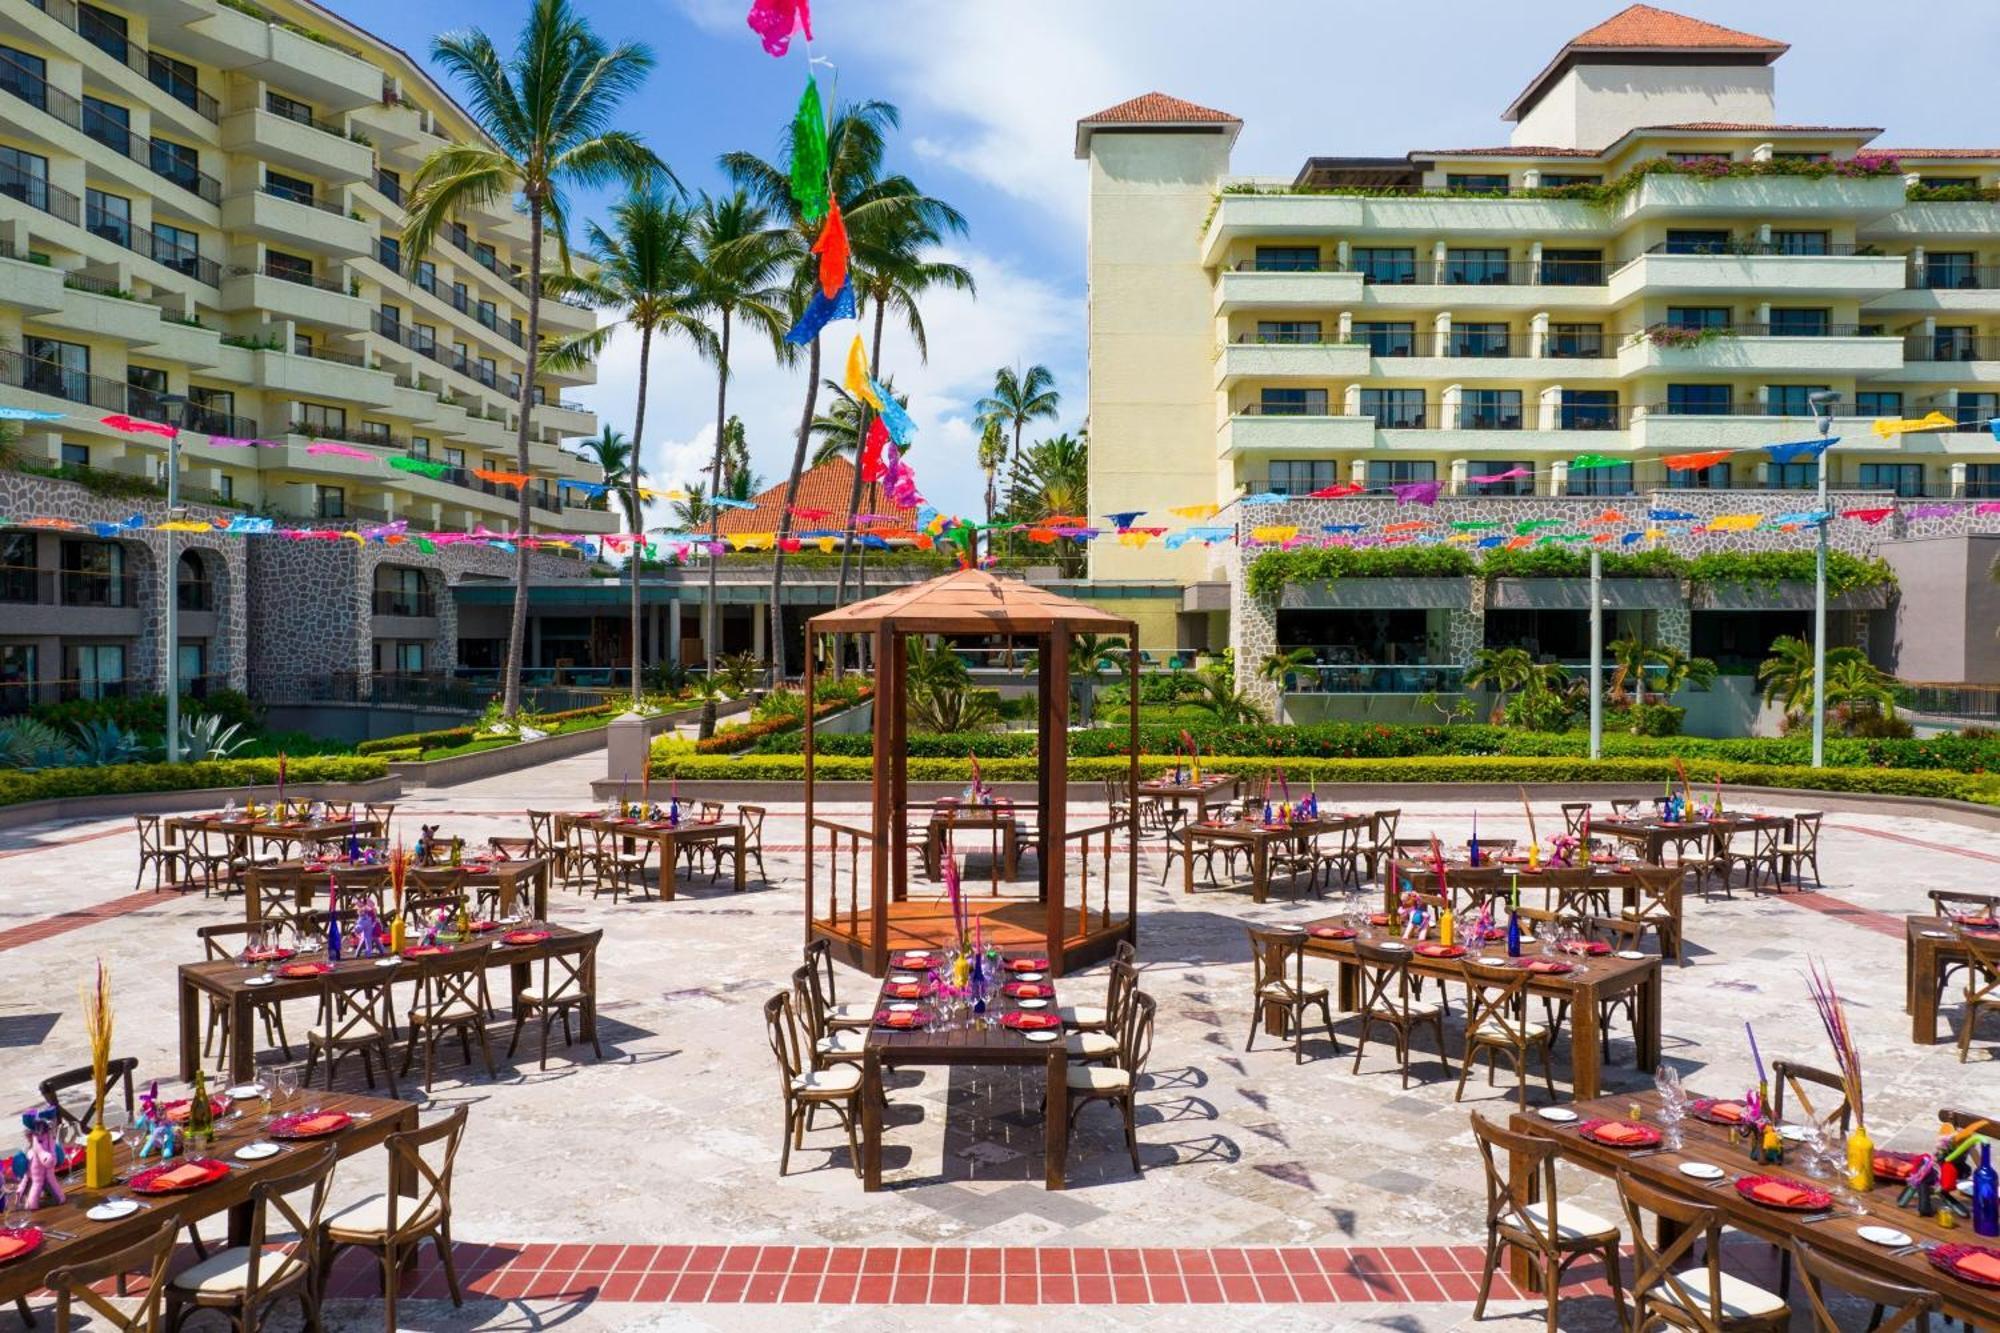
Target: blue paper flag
[(1342, 527), (820, 312), (1266, 498), (724, 502), (1124, 520), (1807, 449), (28, 414), (1631, 537), (1670, 516), (901, 428), (1994, 426)]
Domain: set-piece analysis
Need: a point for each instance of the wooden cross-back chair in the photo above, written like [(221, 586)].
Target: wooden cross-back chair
[(1387, 999), (450, 998), (753, 843), (354, 1019), (1552, 1234), (1982, 984), (1382, 839), (216, 941), (1574, 813), (568, 983), (839, 1013), (1701, 1299), (827, 1044), (1913, 1306), (246, 1279), (1118, 1081), (1278, 985), (1659, 909), (542, 828), (1496, 1023), (1093, 1018), (1088, 1046), (77, 1284), (154, 854), (392, 1226), (804, 1088), (117, 1076), (1342, 862), (1791, 1080)]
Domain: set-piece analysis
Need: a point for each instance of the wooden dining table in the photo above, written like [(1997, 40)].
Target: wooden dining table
[(669, 837), (1929, 946), (1834, 1233), (228, 983), (1001, 822), (1590, 980), (1211, 789), (990, 1046), (375, 1119), (517, 878), (1653, 836), (1258, 839), (1609, 875), (246, 834)]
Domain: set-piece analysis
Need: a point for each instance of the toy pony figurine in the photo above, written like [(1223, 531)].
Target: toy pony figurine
[(159, 1131), (39, 1184), (367, 937), (426, 843)]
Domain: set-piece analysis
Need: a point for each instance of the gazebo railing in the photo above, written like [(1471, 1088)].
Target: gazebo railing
[(858, 870), (1105, 837)]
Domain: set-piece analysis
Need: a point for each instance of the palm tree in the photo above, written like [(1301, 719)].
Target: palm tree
[(546, 115), (692, 512), (1630, 656), (1858, 688), (992, 453), (645, 268), (1278, 667), (1787, 674), (743, 259), (1501, 670), (1678, 670), (1019, 396), (612, 453), (1054, 478), (1220, 697), (857, 147)]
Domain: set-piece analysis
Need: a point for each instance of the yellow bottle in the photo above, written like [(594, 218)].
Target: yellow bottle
[(1534, 856), (396, 935), (1445, 927), (1860, 1159), (99, 1171)]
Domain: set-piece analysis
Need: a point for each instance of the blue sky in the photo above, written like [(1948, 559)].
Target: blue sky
[(989, 92)]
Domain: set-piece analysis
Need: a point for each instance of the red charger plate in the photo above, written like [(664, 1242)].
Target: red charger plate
[(1648, 1137), (1811, 1200), (1947, 1258), (291, 1126), (1030, 1022), (29, 1237), (142, 1182), (1704, 1108)]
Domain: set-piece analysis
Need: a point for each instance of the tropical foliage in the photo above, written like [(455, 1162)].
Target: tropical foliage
[(1019, 397)]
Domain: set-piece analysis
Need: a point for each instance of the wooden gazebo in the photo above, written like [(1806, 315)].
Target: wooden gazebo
[(1074, 916)]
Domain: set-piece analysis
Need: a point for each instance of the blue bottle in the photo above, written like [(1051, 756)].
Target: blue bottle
[(333, 939), (1986, 1194), (1513, 933), (1267, 812), (674, 812)]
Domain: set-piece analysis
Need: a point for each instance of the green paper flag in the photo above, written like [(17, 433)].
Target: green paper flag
[(424, 545), (1584, 461), (809, 189), (423, 465), (1536, 525), (1463, 525)]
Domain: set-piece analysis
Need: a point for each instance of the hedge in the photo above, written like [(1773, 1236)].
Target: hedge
[(1435, 768), (751, 733), (418, 740), (452, 738), (121, 779)]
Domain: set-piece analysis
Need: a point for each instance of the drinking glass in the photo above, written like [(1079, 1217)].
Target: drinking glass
[(284, 1088), (1673, 1102)]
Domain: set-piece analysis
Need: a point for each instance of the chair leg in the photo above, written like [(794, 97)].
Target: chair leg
[(443, 1242), (1491, 1263), (1132, 1129)]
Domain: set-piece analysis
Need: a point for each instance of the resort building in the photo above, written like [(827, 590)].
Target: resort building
[(201, 222), (1654, 264)]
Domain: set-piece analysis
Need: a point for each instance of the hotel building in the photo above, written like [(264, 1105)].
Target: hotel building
[(201, 213), (1654, 264)]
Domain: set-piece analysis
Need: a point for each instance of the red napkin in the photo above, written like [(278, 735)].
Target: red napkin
[(1331, 933), (481, 927), (1731, 1111), (1028, 990), (194, 1173), (1780, 1195), (270, 955), (904, 990), (1623, 1132), (1030, 1022), (525, 936), (899, 1018), (1028, 965), (426, 950), (1980, 1264), (323, 1124), (1378, 919), (1435, 950), (13, 1246), (304, 969), (1895, 1165), (1594, 948), (1547, 967), (918, 961)]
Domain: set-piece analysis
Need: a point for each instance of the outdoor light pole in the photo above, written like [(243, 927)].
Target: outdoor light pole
[(1596, 653), (169, 589), (1822, 404)]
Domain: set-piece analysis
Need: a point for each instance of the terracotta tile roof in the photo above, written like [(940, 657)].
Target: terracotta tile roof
[(824, 487), (1508, 150), (972, 601), (1158, 108), (1643, 28), (1939, 152), (1734, 126)]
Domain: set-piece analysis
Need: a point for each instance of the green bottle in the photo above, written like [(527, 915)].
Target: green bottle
[(201, 1116)]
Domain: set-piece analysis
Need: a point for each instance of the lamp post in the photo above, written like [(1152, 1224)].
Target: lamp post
[(1596, 653), (170, 574), (1822, 404)]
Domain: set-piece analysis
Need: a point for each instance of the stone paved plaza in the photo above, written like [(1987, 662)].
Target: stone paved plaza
[(589, 1196)]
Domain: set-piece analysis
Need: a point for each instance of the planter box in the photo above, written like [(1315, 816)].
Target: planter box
[(1785, 596), (123, 804), (1574, 594), (527, 754), (1378, 594)]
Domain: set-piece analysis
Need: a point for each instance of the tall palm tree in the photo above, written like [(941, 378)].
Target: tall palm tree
[(857, 147), (612, 453), (992, 453), (1018, 397), (692, 512), (1052, 478), (744, 260), (646, 269), (547, 114), (1501, 670)]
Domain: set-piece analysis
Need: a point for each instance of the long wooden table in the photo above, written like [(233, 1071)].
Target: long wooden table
[(1605, 977), (1652, 836), (669, 837), (375, 1119), (1929, 944), (1258, 839), (889, 1048), (1422, 874), (1203, 793), (515, 877), (947, 821), (227, 982), (243, 833), (1836, 1235)]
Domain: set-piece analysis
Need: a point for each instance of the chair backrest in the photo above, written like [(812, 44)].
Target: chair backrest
[(1574, 813), (381, 813), (781, 1026), (1805, 831), (423, 1157), (419, 909), (819, 957), (1950, 902), (1618, 932), (568, 971), (1788, 1077), (117, 1073), (1982, 975), (1385, 822), (1135, 1043), (353, 1013), (339, 812), (1817, 1271), (541, 827), (1624, 806), (1385, 977), (518, 847), (811, 1001), (149, 836), (76, 1282), (1659, 890), (439, 881), (1527, 1156), (276, 1195), (711, 811), (1965, 1119), (1687, 1222), (453, 980), (753, 825), (1125, 952), (277, 892), (1492, 995), (1273, 953), (1123, 985)]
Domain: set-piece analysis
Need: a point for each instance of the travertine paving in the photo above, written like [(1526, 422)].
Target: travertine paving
[(669, 1147)]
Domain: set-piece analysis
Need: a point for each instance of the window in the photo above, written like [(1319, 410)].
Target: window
[(1400, 472), (294, 188), (389, 253), (1976, 409), (1982, 481), (290, 108), (389, 184), (1557, 180), (1282, 331), (225, 486), (1792, 476), (1287, 259), (17, 676), (389, 320), (1954, 342), (454, 457), (427, 276), (459, 299), (1698, 316), (1896, 478), (25, 76), (1601, 480), (1477, 184), (178, 163), (1394, 409), (1685, 242), (1801, 323), (103, 29), (373, 432), (1685, 158), (489, 371), (420, 446), (1802, 242), (1388, 339), (1490, 409), (330, 501), (1790, 400), (175, 78), (1302, 477), (108, 123), (1951, 269), (1800, 157), (95, 670), (75, 455), (1486, 467), (1572, 268), (145, 386), (292, 268), (409, 658), (1698, 400), (1589, 409), (1477, 268), (1375, 264), (458, 234), (425, 338), (1946, 182), (1876, 403), (489, 314), (24, 176), (109, 216), (192, 665), (17, 571), (192, 590), (1702, 479), (210, 410), (1292, 403), (1477, 340), (1576, 340), (318, 419), (93, 573), (59, 369), (177, 248)]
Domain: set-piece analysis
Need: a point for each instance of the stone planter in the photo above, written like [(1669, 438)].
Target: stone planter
[(1788, 595), (1574, 594), (1368, 594)]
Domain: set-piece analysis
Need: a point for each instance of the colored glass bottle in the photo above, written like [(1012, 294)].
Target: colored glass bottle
[(1860, 1159), (201, 1116), (1513, 933), (333, 937), (1986, 1194)]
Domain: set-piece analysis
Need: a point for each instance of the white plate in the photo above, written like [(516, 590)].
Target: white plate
[(1034, 1004), (1887, 1237), (1490, 961), (1027, 976), (257, 1152), (918, 957), (1560, 1115), (903, 1007), (244, 1092), (388, 962), (1934, 935), (904, 978), (1042, 1034), (1631, 955), (113, 1209), (1701, 1171), (1391, 944), (257, 981), (1286, 926)]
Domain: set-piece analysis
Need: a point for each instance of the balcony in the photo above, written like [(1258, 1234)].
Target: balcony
[(1252, 357), (1751, 268), (156, 155), (1676, 429), (1241, 217), (1952, 358), (1253, 431), (405, 335), (397, 602), (1666, 195), (58, 203), (1831, 349), (53, 380), (1282, 289), (160, 71), (323, 375), (280, 293), (296, 222), (34, 289), (314, 147), (321, 72)]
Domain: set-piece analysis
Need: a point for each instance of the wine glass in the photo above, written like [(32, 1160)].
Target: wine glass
[(1673, 1102), (284, 1087)]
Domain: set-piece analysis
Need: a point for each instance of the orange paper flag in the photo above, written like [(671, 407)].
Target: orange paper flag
[(832, 249), (1694, 462)]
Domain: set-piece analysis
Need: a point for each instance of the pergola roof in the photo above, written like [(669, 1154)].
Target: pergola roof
[(970, 601)]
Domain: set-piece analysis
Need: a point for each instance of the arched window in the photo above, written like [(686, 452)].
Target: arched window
[(192, 588)]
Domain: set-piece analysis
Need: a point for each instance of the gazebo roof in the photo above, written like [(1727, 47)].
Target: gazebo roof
[(971, 601)]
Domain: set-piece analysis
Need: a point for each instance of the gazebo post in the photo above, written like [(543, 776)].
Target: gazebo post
[(896, 665), (809, 784), (1055, 810), (1132, 844), (880, 811)]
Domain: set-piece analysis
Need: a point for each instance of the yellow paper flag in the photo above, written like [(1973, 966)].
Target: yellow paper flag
[(1194, 511), (1274, 533), (1734, 522), (857, 374), (1934, 421)]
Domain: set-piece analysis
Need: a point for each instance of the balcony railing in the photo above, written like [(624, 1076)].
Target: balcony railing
[(159, 70), (1484, 273), (1750, 246), (1951, 347), (388, 186), (283, 274), (100, 590), (1937, 277), (38, 194), (1288, 266), (1457, 343), (154, 154), (1335, 677), (392, 602), (77, 386), (398, 332), (1460, 416), (464, 245), (306, 197), (300, 115)]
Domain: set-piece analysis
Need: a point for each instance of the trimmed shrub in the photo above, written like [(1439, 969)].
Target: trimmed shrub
[(739, 738), (419, 740), (50, 783)]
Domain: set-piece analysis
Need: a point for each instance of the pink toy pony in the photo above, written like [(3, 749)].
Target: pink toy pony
[(368, 937), (40, 1185)]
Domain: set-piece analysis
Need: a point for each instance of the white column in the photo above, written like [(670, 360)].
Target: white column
[(1918, 264), (1957, 480), (1535, 250), (1350, 400), (1438, 252), (1458, 469), (1538, 327), (1550, 414), (1763, 152), (1764, 232), (1346, 322), (1558, 478), (1441, 329), (1343, 252), (1763, 398), (1764, 313), (1448, 402), (1357, 471)]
